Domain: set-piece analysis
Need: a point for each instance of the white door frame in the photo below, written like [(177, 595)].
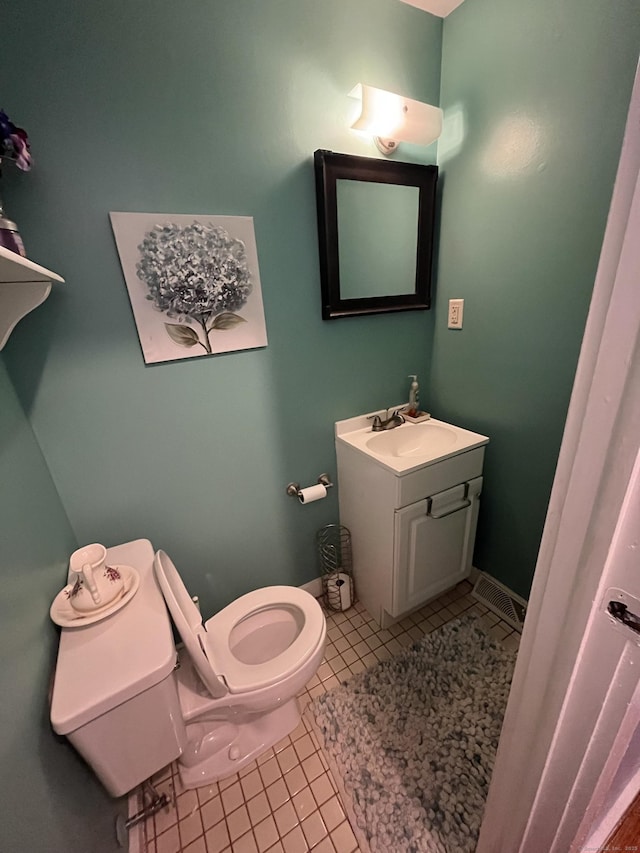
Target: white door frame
[(532, 795)]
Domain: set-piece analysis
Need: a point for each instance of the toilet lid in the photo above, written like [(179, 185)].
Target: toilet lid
[(241, 677), (188, 621)]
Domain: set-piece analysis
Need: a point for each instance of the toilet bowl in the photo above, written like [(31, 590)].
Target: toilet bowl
[(240, 672), (131, 703)]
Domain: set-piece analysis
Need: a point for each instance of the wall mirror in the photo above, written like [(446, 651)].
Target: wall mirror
[(375, 234)]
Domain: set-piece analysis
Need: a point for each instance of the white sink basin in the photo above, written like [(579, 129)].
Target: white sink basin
[(410, 446), (414, 441)]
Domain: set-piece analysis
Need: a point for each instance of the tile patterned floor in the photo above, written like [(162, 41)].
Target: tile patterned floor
[(287, 800)]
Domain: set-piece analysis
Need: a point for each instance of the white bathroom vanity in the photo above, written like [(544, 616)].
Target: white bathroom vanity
[(410, 497)]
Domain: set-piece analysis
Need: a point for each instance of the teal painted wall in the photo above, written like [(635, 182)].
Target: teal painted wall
[(217, 108), (50, 801), (542, 90)]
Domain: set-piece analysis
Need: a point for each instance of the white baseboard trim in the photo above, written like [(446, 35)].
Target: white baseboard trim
[(313, 587), (474, 574)]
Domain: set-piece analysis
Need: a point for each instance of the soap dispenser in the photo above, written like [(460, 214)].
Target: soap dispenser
[(411, 411), (414, 404)]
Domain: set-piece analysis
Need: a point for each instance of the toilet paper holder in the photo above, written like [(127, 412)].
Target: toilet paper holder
[(295, 491)]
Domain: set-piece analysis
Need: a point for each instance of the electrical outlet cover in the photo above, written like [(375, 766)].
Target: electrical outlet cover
[(456, 308)]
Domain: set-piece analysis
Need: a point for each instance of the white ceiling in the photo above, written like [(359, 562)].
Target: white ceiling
[(441, 8)]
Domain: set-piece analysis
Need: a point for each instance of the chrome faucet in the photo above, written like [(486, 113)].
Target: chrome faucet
[(392, 422)]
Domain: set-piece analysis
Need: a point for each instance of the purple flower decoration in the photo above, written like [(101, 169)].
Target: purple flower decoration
[(14, 143)]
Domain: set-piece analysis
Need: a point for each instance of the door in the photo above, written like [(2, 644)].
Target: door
[(575, 702), (602, 708), (433, 541)]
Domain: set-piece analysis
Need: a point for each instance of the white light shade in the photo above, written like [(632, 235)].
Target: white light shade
[(391, 116)]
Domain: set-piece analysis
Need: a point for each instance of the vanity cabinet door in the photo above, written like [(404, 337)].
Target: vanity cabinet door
[(430, 548)]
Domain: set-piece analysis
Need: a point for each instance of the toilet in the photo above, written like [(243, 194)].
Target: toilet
[(131, 703), (253, 657)]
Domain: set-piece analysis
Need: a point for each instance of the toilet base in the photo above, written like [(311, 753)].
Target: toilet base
[(229, 747)]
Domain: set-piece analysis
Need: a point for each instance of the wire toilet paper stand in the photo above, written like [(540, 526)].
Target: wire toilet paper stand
[(336, 565)]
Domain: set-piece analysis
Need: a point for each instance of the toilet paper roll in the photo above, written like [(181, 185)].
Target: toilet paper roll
[(312, 493), (339, 591)]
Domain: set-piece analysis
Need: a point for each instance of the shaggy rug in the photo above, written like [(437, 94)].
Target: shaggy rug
[(412, 741)]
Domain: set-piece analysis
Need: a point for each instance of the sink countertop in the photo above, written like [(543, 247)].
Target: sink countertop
[(408, 447)]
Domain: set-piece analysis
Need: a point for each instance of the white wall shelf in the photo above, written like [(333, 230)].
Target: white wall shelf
[(23, 286)]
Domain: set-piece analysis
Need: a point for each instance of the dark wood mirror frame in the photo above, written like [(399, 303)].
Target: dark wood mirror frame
[(331, 167)]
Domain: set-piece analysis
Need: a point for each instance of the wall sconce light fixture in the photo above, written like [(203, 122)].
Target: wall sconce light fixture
[(391, 119)]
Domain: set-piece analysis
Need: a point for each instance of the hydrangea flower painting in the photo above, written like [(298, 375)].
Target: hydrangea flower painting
[(193, 283)]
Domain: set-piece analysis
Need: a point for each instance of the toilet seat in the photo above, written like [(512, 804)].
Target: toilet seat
[(260, 607), (223, 662)]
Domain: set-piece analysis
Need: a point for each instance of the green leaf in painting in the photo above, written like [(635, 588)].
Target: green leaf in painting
[(185, 336), (227, 320)]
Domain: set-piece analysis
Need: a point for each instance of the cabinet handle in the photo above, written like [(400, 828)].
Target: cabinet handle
[(456, 508)]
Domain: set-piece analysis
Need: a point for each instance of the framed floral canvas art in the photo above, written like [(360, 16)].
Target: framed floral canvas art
[(193, 283)]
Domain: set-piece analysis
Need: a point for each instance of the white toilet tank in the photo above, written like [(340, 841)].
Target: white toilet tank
[(115, 695)]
